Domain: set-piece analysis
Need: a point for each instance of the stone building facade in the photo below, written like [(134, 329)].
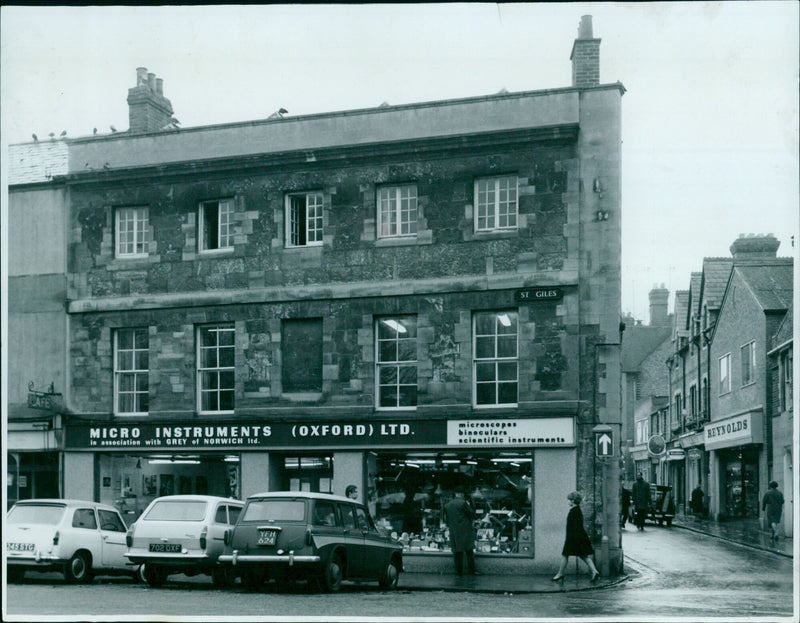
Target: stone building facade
[(409, 298)]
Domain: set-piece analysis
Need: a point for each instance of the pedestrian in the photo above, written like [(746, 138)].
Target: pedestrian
[(641, 501), (351, 492), (577, 542), (459, 516), (625, 504), (773, 504), (697, 500)]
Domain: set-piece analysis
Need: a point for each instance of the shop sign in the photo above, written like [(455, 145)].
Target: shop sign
[(45, 400), (531, 295), (734, 431), (214, 435), (656, 446), (695, 454), (533, 432), (675, 454)]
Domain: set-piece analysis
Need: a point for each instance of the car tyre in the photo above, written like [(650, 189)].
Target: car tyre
[(390, 577), (252, 579), (223, 576), (154, 575), (15, 576), (333, 573), (669, 521), (79, 569)]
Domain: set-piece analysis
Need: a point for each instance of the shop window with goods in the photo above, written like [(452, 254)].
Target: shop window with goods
[(411, 490)]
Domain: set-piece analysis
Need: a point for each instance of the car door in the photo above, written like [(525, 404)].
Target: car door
[(112, 533), (376, 549), (224, 519), (85, 535), (353, 540)]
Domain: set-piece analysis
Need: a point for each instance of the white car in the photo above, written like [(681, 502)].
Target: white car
[(79, 538), (183, 534)]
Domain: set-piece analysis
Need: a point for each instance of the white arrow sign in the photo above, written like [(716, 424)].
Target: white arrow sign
[(604, 445)]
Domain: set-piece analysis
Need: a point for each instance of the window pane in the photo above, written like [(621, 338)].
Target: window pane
[(507, 371), (485, 394), (408, 396), (507, 393), (388, 375), (485, 372), (387, 351), (484, 347), (507, 346), (408, 375), (408, 350), (388, 396)]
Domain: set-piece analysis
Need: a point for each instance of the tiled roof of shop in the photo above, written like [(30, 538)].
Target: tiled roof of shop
[(784, 332), (29, 163), (716, 271), (682, 307), (770, 281), (638, 342)]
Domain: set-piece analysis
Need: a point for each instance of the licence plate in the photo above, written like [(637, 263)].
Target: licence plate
[(19, 547), (165, 547), (267, 537)]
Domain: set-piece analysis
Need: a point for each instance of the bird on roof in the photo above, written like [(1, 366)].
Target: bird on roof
[(35, 138), (278, 114), (52, 135), (174, 121), (63, 133), (113, 129), (94, 130)]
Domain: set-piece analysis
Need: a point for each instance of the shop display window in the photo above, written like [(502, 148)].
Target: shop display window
[(408, 492)]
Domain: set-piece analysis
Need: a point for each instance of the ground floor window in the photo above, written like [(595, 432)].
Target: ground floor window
[(307, 473), (408, 491), (740, 482), (32, 475)]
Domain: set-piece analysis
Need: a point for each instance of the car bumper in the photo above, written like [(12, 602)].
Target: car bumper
[(289, 559), (170, 558)]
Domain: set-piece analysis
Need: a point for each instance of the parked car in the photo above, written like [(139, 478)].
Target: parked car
[(183, 534), (662, 504), (325, 539), (79, 538)]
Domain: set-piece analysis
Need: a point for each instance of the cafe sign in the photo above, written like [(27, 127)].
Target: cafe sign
[(734, 431), (44, 400)]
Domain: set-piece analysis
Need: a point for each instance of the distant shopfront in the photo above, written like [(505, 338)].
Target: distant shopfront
[(738, 464), (406, 470)]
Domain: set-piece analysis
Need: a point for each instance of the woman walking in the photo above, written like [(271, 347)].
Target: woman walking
[(773, 505), (577, 542)]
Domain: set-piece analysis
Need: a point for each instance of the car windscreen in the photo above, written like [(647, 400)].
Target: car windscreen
[(177, 510), (275, 510), (49, 514)]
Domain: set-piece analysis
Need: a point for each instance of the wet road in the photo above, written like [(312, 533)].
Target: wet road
[(675, 573)]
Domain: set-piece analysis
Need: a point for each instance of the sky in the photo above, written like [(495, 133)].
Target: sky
[(709, 120)]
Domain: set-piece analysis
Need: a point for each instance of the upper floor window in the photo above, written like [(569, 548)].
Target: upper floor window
[(693, 400), (131, 228), (678, 408), (131, 371), (496, 203), (786, 380), (397, 210), (705, 397), (304, 219), (748, 352), (725, 374), (301, 355), (216, 351), (495, 358), (397, 362), (215, 221)]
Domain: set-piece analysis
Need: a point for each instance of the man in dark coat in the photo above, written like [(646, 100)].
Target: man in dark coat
[(697, 500), (459, 516), (625, 503), (641, 501)]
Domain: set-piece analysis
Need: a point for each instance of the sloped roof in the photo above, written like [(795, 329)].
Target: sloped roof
[(638, 342), (716, 271), (784, 332), (682, 307), (770, 281)]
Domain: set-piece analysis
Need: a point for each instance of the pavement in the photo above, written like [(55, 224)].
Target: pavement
[(745, 532)]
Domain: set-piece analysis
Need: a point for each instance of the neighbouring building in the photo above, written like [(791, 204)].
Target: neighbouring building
[(408, 298), (739, 434)]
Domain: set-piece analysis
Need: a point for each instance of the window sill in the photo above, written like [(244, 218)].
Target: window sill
[(496, 233), (305, 247), (216, 412), (125, 258), (207, 252), (126, 415), (400, 241), (302, 396)]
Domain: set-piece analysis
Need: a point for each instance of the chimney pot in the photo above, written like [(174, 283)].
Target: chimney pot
[(141, 75), (585, 27), (160, 86), (151, 81), (148, 109)]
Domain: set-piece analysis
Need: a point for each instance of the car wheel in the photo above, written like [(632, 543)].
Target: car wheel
[(333, 574), (15, 575), (669, 522), (390, 576), (223, 576), (78, 569), (154, 575), (252, 579)]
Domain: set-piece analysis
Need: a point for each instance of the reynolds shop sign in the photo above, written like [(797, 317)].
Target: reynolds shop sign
[(253, 435), (734, 431)]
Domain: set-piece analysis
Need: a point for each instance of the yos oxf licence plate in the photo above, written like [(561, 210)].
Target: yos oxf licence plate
[(165, 547), (267, 537)]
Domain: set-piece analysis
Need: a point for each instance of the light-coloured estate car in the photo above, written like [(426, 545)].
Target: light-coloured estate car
[(79, 538), (183, 534), (325, 539)]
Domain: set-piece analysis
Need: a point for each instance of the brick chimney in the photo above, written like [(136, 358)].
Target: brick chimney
[(659, 316), (755, 247), (585, 56), (148, 109)]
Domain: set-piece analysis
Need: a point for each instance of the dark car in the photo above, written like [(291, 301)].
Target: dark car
[(325, 539)]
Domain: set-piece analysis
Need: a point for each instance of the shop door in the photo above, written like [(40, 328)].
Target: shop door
[(741, 486)]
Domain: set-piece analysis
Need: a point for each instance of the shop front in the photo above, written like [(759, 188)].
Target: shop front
[(515, 472), (738, 465), (33, 457)]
